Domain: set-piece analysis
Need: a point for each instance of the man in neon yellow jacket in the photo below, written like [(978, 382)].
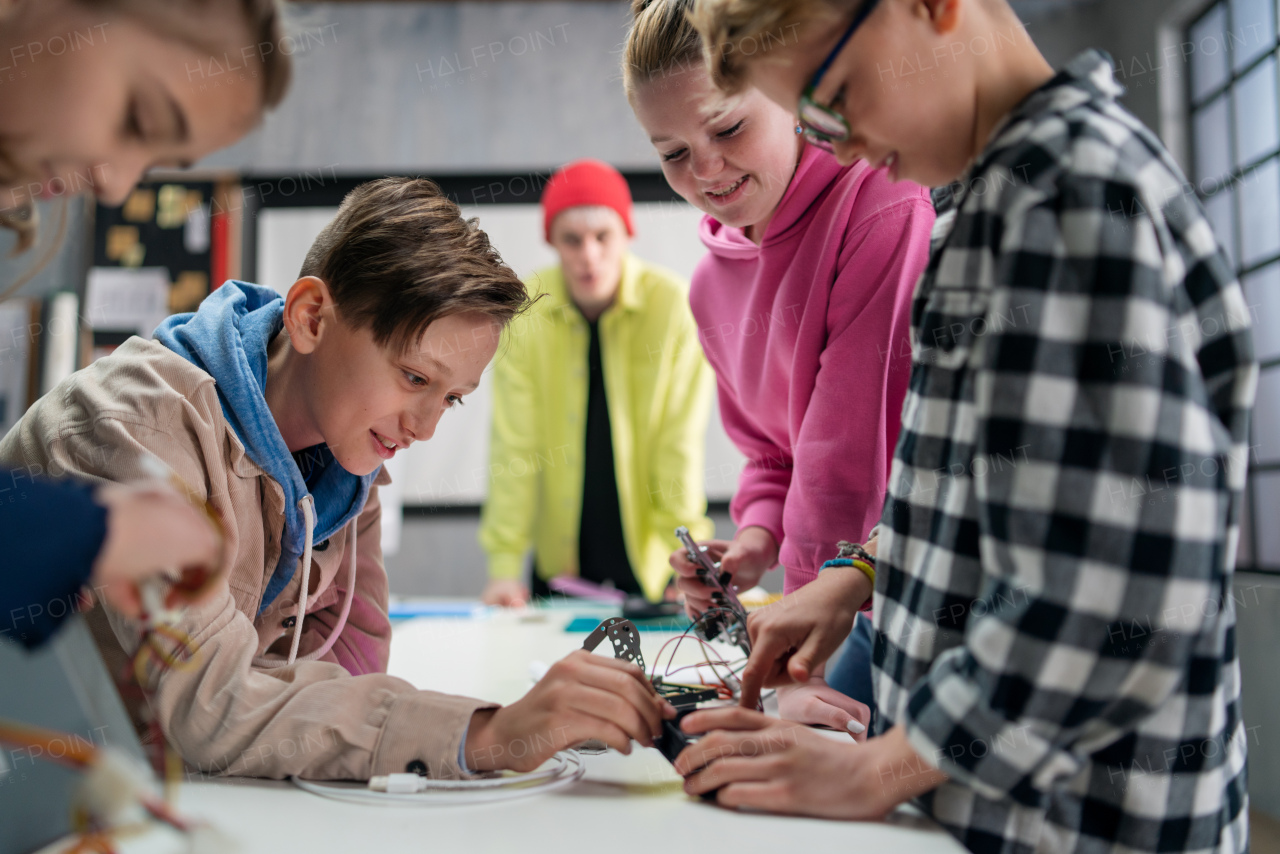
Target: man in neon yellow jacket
[(601, 395)]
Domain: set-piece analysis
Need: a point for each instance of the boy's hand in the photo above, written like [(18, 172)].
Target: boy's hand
[(583, 696), (505, 593), (762, 763), (792, 638), (752, 552), (150, 529), (818, 704)]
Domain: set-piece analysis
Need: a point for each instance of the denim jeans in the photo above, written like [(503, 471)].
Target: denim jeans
[(851, 674)]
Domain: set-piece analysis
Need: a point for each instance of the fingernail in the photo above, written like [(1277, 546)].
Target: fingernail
[(856, 727)]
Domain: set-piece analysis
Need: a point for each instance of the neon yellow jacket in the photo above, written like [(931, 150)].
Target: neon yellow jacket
[(659, 390)]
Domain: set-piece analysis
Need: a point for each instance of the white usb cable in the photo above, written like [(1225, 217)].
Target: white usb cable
[(416, 790)]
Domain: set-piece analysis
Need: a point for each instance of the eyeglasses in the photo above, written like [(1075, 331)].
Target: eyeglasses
[(821, 125)]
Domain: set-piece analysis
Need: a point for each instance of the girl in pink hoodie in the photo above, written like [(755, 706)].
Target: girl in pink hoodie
[(802, 305)]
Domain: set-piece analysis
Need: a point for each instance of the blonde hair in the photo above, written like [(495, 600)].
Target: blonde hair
[(186, 21), (660, 43), (728, 27)]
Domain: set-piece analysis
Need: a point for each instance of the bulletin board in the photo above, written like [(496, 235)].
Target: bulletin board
[(162, 224), (159, 253)]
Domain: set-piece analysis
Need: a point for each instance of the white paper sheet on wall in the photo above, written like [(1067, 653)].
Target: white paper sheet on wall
[(15, 359), (127, 299), (61, 339)]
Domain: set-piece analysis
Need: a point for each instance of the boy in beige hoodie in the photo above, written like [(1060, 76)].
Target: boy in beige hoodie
[(280, 412)]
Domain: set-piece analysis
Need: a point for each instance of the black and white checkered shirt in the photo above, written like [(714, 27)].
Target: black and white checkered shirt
[(1056, 629)]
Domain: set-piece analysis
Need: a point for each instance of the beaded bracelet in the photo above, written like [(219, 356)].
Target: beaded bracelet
[(867, 569)]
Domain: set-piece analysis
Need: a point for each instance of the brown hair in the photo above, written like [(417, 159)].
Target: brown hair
[(661, 42), (399, 256), (727, 27)]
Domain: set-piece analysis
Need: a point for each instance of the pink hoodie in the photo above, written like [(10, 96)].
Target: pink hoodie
[(808, 334)]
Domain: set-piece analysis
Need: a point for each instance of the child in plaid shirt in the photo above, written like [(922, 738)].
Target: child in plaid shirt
[(1055, 666)]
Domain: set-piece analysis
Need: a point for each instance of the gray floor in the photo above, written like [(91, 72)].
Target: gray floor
[(440, 556)]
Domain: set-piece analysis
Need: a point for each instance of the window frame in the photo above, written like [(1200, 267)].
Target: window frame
[(1179, 109)]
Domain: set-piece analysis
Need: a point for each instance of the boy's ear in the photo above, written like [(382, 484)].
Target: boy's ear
[(945, 14), (307, 309)]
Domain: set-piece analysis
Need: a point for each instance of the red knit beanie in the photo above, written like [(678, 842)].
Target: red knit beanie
[(586, 182)]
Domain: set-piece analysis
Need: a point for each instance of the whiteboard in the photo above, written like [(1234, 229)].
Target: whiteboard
[(451, 468)]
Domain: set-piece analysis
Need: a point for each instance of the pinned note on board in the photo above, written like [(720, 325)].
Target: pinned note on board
[(122, 299)]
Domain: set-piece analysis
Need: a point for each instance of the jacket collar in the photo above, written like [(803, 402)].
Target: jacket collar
[(1090, 76), (628, 298), (816, 171)]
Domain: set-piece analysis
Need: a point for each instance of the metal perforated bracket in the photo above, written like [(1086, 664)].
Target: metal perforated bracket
[(624, 636)]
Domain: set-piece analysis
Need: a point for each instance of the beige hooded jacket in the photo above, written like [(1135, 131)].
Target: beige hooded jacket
[(228, 714)]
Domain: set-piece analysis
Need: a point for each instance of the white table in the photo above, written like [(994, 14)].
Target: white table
[(630, 803)]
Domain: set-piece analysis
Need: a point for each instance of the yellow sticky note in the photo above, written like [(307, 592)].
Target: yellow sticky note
[(120, 240), (185, 295), (140, 206)]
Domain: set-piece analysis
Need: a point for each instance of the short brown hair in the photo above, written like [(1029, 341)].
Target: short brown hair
[(727, 25), (399, 256)]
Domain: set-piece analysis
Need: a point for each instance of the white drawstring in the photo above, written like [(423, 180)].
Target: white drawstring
[(347, 599), (308, 515), (309, 531)]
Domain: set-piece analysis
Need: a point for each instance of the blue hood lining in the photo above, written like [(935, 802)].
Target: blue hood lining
[(228, 338)]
